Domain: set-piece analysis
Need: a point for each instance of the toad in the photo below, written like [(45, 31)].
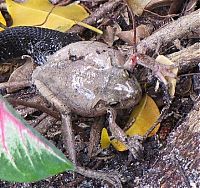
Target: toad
[(87, 78)]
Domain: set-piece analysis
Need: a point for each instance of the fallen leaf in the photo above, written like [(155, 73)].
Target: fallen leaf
[(118, 145), (153, 4), (2, 20), (105, 140), (109, 35), (137, 6), (142, 31), (36, 13), (145, 114)]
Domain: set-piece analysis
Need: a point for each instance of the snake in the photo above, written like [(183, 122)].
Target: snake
[(36, 42)]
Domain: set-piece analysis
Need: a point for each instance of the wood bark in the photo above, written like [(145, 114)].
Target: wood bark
[(179, 163), (187, 58), (167, 34)]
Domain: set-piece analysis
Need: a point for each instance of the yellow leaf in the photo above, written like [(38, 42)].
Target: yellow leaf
[(145, 114), (118, 145), (2, 20), (36, 13), (105, 140)]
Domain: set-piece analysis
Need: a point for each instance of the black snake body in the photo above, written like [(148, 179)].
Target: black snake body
[(34, 41)]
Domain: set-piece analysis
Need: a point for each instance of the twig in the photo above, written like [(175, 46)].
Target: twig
[(95, 16), (15, 85), (34, 105), (159, 120), (161, 16), (39, 119), (186, 58), (190, 74), (170, 32)]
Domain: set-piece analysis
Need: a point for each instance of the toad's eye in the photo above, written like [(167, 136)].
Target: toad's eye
[(126, 74), (114, 104)]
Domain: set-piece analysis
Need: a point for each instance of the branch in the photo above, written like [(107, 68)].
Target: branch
[(102, 12), (167, 34)]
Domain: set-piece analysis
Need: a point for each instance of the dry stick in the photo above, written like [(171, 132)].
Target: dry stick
[(158, 3), (170, 32), (134, 26), (160, 16), (134, 29), (190, 74), (95, 16), (34, 105), (186, 58), (190, 6), (39, 119), (162, 116), (15, 85)]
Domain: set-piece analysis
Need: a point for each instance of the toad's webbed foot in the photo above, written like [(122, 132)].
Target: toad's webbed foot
[(160, 70), (134, 144)]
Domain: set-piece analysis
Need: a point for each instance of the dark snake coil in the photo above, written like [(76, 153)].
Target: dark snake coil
[(34, 41)]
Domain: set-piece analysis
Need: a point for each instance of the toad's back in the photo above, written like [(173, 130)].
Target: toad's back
[(86, 87)]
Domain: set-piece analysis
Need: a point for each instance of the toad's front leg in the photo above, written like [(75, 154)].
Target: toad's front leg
[(134, 144), (70, 144), (65, 118), (68, 136)]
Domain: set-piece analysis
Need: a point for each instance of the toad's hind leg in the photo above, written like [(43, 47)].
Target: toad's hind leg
[(133, 144)]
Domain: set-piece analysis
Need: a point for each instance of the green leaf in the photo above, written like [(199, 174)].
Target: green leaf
[(25, 155)]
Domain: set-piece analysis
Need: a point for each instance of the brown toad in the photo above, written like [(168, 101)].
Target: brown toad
[(87, 78)]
